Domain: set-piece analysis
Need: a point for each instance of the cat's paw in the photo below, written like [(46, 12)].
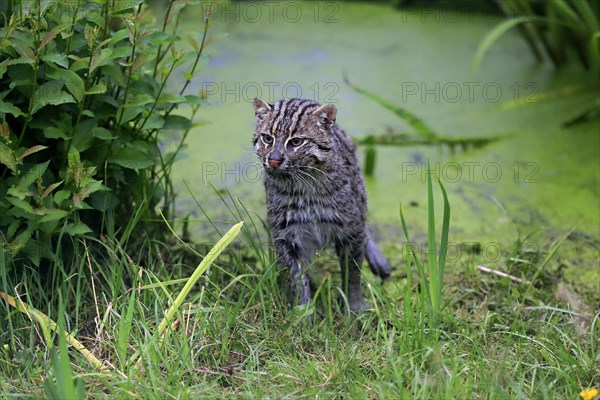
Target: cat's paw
[(359, 306)]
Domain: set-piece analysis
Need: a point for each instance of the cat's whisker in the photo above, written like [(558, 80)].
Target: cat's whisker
[(322, 174), (301, 176), (319, 184)]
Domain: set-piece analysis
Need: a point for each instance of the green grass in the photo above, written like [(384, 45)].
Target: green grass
[(432, 284), (233, 337)]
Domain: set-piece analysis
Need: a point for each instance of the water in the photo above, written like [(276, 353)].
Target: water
[(541, 178)]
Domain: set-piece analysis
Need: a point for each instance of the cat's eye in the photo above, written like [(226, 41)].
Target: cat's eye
[(267, 139), (296, 142)]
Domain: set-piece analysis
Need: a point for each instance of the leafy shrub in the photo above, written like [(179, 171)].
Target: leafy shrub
[(84, 101)]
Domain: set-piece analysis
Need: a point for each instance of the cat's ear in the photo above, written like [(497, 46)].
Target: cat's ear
[(261, 107), (326, 115)]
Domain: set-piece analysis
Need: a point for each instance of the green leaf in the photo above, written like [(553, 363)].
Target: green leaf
[(114, 73), (50, 189), (53, 214), (120, 52), (61, 196), (99, 59), (38, 249), (8, 108), (50, 93), (90, 35), (75, 168), (177, 122), (102, 133), (154, 122), (104, 201), (72, 80), (97, 89), (79, 64), (77, 228), (172, 98), (53, 132), (139, 99), (22, 47), (124, 8), (20, 241), (7, 157), (59, 59), (12, 229), (195, 100), (127, 114), (118, 36), (19, 193), (21, 205), (32, 150), (90, 188), (33, 174), (48, 38), (82, 140), (132, 158), (14, 61)]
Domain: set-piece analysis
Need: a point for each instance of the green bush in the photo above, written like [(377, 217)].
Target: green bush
[(84, 102)]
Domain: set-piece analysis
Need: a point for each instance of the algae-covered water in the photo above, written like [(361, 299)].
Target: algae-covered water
[(541, 179)]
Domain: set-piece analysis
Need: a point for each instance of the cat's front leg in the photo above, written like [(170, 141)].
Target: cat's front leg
[(351, 256), (298, 289)]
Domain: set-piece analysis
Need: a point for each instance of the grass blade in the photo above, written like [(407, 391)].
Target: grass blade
[(125, 329), (492, 37), (191, 281), (566, 12), (202, 267), (431, 250), (412, 120), (594, 51), (45, 322), (587, 14), (63, 385), (444, 238), (420, 268)]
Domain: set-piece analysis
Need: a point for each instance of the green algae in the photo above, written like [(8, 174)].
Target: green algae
[(540, 178)]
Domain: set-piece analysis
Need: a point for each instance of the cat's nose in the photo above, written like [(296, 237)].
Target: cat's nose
[(274, 163)]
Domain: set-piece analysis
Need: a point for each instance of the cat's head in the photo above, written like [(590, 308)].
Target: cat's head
[(293, 134)]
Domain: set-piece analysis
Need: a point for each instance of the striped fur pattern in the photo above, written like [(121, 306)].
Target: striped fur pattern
[(315, 194)]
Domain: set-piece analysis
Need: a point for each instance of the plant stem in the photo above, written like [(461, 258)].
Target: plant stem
[(158, 55)]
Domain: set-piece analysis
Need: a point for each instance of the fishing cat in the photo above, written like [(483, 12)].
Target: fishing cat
[(315, 194)]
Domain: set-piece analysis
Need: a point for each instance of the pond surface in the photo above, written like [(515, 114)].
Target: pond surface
[(540, 179)]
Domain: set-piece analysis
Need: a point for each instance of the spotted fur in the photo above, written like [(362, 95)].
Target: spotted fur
[(315, 194)]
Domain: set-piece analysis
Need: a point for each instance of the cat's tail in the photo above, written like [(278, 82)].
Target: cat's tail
[(377, 262)]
